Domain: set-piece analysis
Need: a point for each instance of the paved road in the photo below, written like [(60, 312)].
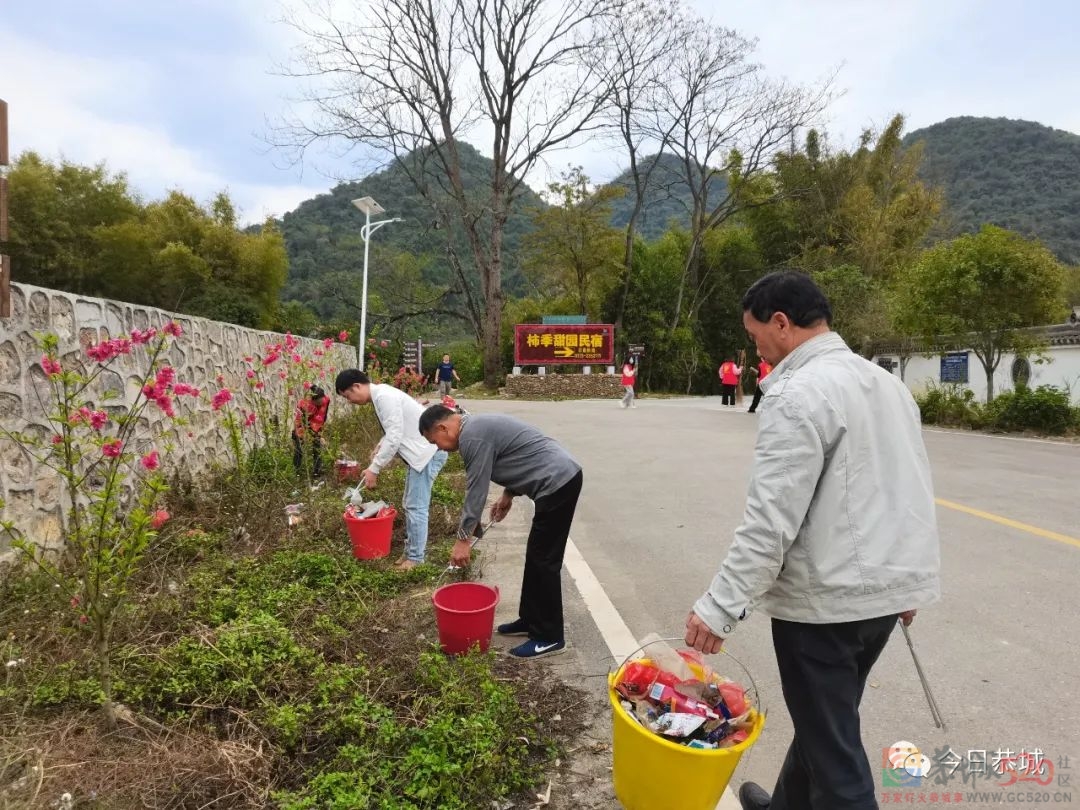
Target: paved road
[(664, 490)]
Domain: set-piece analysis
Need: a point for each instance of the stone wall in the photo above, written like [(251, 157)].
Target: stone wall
[(33, 493), (564, 386)]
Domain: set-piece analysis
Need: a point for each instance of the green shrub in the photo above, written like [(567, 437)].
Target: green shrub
[(951, 405), (1046, 409)]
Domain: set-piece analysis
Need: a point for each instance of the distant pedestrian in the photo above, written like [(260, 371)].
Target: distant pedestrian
[(629, 375), (521, 459), (761, 372), (445, 376), (308, 423), (399, 415), (729, 374), (838, 540)]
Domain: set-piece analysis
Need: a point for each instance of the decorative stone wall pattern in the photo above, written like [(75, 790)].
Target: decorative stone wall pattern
[(33, 494), (564, 386)]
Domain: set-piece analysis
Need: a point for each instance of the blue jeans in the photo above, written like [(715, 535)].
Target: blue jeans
[(417, 503)]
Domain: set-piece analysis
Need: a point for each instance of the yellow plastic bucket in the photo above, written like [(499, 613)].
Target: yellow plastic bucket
[(651, 773)]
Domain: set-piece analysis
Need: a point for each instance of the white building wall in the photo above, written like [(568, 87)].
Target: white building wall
[(1061, 370)]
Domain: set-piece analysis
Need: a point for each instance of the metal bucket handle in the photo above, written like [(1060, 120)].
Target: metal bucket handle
[(723, 651)]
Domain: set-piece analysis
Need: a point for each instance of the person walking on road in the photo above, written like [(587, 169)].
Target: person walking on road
[(445, 376), (629, 374), (838, 540), (761, 372), (729, 381), (399, 415), (521, 459)]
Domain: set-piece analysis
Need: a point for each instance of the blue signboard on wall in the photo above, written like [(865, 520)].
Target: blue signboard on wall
[(954, 367)]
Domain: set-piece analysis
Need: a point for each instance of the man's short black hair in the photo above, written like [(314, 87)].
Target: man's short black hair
[(791, 292), (348, 378), (433, 416)]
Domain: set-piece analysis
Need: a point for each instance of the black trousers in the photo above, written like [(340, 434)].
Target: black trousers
[(316, 454), (823, 670), (757, 399), (727, 393), (541, 584)]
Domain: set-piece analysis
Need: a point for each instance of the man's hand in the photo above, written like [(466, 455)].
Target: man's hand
[(501, 507), (700, 637), (461, 553), (370, 479), (907, 617)]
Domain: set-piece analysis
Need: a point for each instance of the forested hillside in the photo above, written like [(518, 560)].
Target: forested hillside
[(1017, 174)]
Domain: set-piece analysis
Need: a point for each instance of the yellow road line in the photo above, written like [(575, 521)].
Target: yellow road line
[(1014, 524)]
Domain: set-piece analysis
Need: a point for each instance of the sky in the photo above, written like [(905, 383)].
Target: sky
[(182, 93)]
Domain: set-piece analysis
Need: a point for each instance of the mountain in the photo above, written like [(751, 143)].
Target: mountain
[(667, 197), (322, 235), (1017, 174)]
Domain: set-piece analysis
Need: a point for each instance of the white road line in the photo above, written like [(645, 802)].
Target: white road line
[(620, 641), (974, 433)]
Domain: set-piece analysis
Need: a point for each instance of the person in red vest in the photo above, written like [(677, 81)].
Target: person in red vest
[(761, 372), (310, 417), (729, 381), (629, 373)]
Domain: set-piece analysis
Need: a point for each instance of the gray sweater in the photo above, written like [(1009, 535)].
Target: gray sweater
[(514, 455)]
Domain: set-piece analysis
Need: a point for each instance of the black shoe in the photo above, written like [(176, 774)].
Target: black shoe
[(753, 797), (518, 627)]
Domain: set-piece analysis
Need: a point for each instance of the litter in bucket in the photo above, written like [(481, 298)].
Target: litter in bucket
[(652, 772), (371, 536), (465, 615)]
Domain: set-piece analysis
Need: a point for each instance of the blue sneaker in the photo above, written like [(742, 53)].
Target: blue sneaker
[(518, 627), (534, 648)]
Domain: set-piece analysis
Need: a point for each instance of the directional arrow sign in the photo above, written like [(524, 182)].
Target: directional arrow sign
[(564, 352)]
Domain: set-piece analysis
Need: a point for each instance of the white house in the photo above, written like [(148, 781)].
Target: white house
[(960, 365)]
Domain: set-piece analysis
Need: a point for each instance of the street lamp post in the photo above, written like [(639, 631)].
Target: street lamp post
[(369, 207)]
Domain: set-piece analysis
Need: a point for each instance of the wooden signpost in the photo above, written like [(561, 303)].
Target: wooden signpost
[(5, 261)]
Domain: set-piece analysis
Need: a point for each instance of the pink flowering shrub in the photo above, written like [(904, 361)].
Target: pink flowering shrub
[(112, 475)]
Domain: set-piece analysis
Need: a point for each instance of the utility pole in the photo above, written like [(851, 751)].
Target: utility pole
[(5, 261)]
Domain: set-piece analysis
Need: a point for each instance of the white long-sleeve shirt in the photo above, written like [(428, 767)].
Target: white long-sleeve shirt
[(399, 415)]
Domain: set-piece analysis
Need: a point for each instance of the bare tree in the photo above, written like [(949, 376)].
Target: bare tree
[(410, 79), (638, 49), (727, 121)]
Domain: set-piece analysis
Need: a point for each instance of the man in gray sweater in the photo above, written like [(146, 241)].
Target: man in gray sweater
[(523, 461)]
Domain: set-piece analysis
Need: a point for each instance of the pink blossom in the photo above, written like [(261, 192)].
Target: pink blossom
[(282, 375), (318, 352), (331, 369), (329, 342), (371, 341), (249, 420), (291, 342), (151, 461), (165, 403), (166, 376), (384, 343), (139, 338), (307, 386), (220, 378), (150, 391), (79, 416), (112, 448), (322, 375), (220, 398), (343, 336), (57, 439), (250, 374), (259, 386), (159, 519), (270, 359), (249, 360), (50, 366), (182, 389), (372, 355), (83, 619), (173, 328), (75, 601), (190, 435), (297, 358), (98, 420)]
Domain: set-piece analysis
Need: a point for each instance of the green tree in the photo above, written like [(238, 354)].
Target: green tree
[(55, 213), (981, 289), (574, 252), (859, 305)]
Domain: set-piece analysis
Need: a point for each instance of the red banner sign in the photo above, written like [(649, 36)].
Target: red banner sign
[(550, 344)]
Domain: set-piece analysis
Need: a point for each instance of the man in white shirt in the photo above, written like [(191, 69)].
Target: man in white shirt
[(838, 540), (399, 415)]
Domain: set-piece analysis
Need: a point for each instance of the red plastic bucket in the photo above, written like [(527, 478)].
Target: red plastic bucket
[(371, 537), (465, 614)]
